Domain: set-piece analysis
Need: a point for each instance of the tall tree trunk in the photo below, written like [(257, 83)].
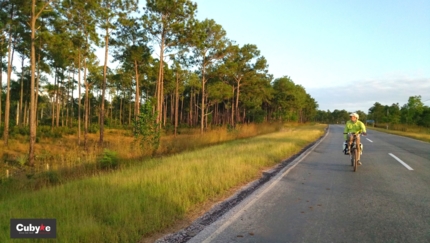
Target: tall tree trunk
[(129, 113), (102, 109), (17, 114), (202, 118), (62, 105), (182, 110), (21, 95), (54, 101), (172, 108), (24, 121), (206, 112), (79, 97), (53, 111), (196, 109), (160, 82), (67, 101), (87, 101), (165, 111), (224, 114), (9, 73), (237, 100), (36, 101), (137, 99), (190, 117), (176, 103), (33, 18), (72, 101), (57, 103), (232, 109), (120, 112)]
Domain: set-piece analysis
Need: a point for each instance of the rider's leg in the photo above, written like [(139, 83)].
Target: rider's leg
[(359, 148), (349, 140)]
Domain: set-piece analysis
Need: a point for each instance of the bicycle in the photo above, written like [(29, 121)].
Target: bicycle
[(354, 151)]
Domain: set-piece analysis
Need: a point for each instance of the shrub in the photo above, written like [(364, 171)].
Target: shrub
[(109, 160), (93, 128), (18, 130), (50, 177), (49, 132), (22, 160), (146, 129)]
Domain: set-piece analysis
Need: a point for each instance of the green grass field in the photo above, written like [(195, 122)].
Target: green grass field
[(138, 201)]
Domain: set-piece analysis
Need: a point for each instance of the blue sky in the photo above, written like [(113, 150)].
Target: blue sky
[(347, 54)]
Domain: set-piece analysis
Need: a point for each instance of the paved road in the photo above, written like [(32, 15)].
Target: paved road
[(320, 199)]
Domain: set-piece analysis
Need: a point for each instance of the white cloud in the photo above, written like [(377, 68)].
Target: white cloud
[(361, 95)]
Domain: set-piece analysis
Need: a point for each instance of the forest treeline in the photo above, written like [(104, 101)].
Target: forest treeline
[(414, 112), (188, 70)]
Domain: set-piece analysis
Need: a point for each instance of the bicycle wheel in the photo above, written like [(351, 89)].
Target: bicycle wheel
[(355, 158)]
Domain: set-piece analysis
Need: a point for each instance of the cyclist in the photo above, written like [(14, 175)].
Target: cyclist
[(353, 126)]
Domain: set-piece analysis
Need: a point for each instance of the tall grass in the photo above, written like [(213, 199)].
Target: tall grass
[(63, 155), (412, 131), (146, 198)]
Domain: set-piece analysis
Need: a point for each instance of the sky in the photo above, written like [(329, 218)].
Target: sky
[(346, 54)]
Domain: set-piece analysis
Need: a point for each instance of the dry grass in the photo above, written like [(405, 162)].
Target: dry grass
[(64, 154), (416, 132)]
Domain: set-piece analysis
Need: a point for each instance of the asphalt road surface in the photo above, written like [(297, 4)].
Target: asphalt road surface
[(318, 198)]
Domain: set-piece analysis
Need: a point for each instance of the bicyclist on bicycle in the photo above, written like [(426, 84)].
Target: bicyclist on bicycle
[(353, 126)]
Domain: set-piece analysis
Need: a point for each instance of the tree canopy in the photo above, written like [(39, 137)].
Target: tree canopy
[(189, 68)]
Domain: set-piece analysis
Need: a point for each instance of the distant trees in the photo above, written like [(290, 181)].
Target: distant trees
[(414, 112), (411, 112), (336, 117)]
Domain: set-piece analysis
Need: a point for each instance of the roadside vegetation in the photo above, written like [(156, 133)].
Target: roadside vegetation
[(60, 159), (148, 197), (416, 132)]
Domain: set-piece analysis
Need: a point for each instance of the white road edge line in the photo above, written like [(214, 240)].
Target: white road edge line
[(369, 140), (401, 162), (256, 197)]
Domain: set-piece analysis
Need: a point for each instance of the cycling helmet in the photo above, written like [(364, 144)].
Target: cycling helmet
[(354, 114)]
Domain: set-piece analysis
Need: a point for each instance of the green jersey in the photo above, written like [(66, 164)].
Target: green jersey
[(354, 127)]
